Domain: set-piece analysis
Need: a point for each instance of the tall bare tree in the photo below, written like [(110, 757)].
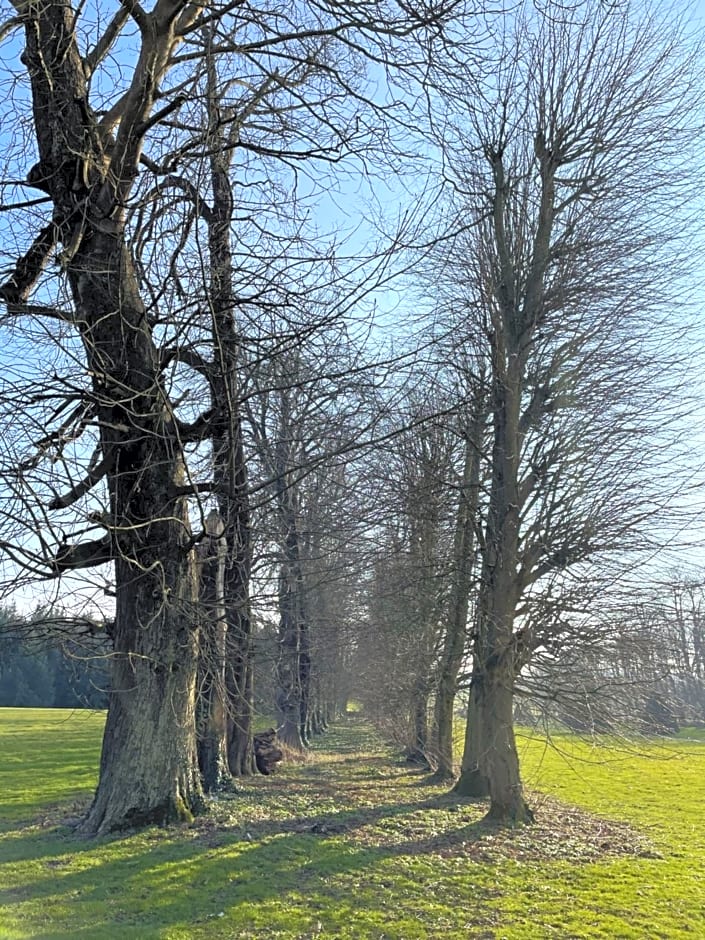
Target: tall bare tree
[(105, 475), (563, 169)]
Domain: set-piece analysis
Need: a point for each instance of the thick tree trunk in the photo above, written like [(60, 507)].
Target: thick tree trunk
[(507, 804), (472, 781), (490, 716), (148, 769)]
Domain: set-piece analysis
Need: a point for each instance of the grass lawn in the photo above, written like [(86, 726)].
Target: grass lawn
[(355, 844)]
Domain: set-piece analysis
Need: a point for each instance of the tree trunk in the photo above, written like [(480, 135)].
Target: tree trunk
[(472, 781), (230, 470), (291, 670), (240, 682), (443, 719), (418, 745), (239, 666), (490, 734), (305, 723), (211, 705), (454, 643), (288, 696), (148, 769), (507, 804)]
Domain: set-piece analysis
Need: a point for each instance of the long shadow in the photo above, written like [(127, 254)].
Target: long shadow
[(297, 855), (243, 859)]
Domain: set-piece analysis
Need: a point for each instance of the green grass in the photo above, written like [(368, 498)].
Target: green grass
[(355, 844)]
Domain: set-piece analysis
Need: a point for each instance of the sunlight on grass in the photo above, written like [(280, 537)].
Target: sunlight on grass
[(48, 756), (354, 843)]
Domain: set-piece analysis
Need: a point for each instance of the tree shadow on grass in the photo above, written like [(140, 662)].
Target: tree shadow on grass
[(299, 839), (169, 883)]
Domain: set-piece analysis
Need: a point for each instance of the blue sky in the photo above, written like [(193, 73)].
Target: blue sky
[(344, 212)]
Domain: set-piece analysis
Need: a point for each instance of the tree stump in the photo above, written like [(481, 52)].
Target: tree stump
[(267, 751)]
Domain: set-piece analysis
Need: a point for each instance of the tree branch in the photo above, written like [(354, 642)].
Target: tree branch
[(104, 44), (83, 555), (187, 187), (28, 268), (189, 357), (138, 14), (197, 430), (158, 116), (94, 475), (40, 310)]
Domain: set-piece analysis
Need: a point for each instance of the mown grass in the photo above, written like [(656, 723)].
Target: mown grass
[(356, 844)]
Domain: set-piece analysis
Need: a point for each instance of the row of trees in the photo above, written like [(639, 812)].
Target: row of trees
[(71, 672), (212, 421)]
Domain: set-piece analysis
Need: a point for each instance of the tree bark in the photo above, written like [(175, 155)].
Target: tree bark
[(211, 704), (514, 319), (507, 804), (292, 673), (455, 640), (148, 771), (230, 469), (472, 781), (148, 768), (289, 696), (418, 746)]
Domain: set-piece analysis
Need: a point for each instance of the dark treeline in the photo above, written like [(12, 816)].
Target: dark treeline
[(41, 668)]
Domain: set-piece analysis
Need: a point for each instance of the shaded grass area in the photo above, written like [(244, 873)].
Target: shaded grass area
[(354, 843)]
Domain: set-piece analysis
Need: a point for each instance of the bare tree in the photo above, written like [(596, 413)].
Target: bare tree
[(105, 447), (568, 182)]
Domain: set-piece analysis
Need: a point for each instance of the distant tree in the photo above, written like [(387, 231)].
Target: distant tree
[(49, 660), (637, 668)]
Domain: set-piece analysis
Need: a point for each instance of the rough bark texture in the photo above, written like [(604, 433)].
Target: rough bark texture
[(501, 761), (148, 766), (148, 769)]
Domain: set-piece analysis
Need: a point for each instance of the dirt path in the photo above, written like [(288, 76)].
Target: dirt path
[(354, 787)]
